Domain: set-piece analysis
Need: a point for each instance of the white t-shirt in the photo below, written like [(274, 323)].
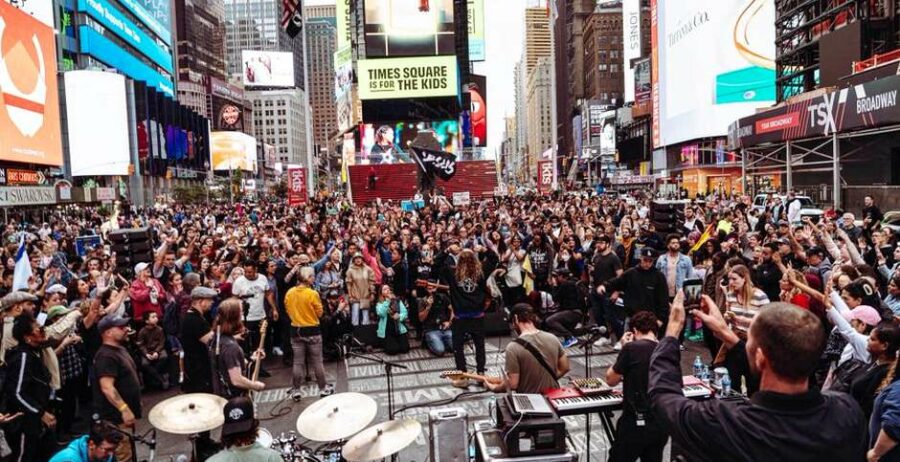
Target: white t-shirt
[(794, 211), (257, 288)]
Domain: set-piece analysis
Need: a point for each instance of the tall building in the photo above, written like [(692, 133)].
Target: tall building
[(256, 25), (518, 140), (321, 33), (539, 117), (603, 65), (537, 37), (279, 119), (200, 31), (568, 28)]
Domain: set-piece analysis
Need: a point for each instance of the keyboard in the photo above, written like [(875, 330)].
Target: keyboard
[(696, 391), (611, 401), (523, 403)]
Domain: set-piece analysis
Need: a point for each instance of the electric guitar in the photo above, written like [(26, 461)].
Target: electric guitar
[(457, 375), (426, 285), (263, 327)]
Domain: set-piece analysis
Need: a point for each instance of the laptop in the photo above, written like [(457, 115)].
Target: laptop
[(526, 404)]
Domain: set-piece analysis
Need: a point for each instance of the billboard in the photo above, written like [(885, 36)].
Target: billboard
[(155, 14), (545, 176), (97, 112), (478, 94), (114, 21), (267, 68), (389, 143), (296, 186), (42, 10), (641, 84), (713, 64), (631, 42), (111, 54), (343, 72), (475, 10), (407, 78), (29, 98), (232, 150), (409, 28), (291, 17), (342, 15)]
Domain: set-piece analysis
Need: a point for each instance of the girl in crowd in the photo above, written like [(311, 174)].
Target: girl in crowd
[(392, 316)]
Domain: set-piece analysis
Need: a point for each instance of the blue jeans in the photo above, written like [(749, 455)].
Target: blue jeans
[(358, 317), (439, 341)]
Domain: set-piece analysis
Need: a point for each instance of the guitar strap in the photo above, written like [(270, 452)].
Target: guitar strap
[(539, 357)]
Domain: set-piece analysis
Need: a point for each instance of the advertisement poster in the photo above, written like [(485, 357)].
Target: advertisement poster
[(233, 150), (291, 17), (715, 60), (631, 41), (29, 97), (296, 178), (478, 94), (407, 78), (642, 84), (348, 155), (267, 68), (97, 111), (389, 143), (409, 28), (476, 29), (545, 176), (342, 15)]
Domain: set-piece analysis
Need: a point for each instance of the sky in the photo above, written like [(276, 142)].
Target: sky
[(503, 24)]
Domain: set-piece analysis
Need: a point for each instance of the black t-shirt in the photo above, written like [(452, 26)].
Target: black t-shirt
[(230, 356), (633, 364), (467, 296), (115, 362), (863, 386), (605, 267), (439, 312), (197, 371)]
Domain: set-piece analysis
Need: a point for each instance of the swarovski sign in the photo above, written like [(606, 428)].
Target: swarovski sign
[(14, 195)]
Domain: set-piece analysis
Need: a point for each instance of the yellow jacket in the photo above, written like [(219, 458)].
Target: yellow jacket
[(303, 306)]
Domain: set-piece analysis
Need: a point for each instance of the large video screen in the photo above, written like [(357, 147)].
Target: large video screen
[(408, 78), (409, 28), (389, 143), (715, 64), (97, 111), (29, 97), (267, 68), (232, 150)]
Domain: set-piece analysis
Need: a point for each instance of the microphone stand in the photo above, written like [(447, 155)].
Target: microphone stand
[(588, 346), (388, 370), (148, 439)]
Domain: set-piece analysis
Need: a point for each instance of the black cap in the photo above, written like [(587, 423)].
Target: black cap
[(603, 238), (816, 250), (238, 416), (648, 252), (333, 294)]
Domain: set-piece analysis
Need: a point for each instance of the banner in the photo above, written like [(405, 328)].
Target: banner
[(342, 17), (631, 42), (292, 17), (407, 78), (475, 10), (296, 186), (435, 163), (869, 105), (545, 176)]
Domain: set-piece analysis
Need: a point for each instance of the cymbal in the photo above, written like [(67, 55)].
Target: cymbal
[(382, 440), (336, 417), (188, 414)]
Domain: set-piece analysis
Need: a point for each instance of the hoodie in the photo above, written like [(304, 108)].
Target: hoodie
[(645, 290), (76, 451)]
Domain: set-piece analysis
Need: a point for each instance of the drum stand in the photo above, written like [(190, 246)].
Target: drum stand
[(388, 370)]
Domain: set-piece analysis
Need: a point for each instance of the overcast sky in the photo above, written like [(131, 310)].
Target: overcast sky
[(503, 23)]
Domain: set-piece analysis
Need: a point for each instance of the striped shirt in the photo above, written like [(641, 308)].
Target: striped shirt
[(744, 313)]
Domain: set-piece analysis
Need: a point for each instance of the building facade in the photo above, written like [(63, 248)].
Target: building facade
[(200, 32), (603, 64), (279, 119), (569, 56), (256, 25), (321, 33), (538, 103)]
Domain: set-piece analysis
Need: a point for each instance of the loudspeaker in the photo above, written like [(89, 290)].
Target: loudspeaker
[(132, 246), (367, 335), (448, 435)]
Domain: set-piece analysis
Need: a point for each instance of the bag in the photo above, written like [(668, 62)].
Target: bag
[(844, 374)]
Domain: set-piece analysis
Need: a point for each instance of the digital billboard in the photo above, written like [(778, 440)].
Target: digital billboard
[(97, 112), (713, 64), (389, 143), (29, 101), (475, 10), (155, 14), (631, 42), (113, 20), (478, 114), (232, 151), (111, 54), (42, 10), (267, 68), (407, 77), (409, 28), (342, 16)]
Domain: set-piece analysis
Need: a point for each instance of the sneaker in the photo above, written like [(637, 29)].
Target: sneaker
[(618, 346), (461, 383), (602, 342), (570, 341), (327, 391), (277, 351), (296, 395)]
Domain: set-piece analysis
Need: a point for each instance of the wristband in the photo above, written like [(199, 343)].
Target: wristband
[(123, 407)]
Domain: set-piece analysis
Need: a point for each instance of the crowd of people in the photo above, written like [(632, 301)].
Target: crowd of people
[(313, 275)]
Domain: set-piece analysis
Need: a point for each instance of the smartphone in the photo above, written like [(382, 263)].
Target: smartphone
[(692, 289)]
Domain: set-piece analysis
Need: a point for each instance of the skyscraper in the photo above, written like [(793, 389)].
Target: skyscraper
[(537, 37), (256, 25), (200, 29), (321, 30)]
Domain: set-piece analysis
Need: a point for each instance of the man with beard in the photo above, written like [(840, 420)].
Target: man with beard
[(783, 346), (535, 360)]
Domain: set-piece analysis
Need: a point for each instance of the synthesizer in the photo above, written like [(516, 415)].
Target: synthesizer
[(611, 401)]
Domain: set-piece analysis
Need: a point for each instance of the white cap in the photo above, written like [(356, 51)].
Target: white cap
[(140, 267)]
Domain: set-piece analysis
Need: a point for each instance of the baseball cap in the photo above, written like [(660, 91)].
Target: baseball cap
[(140, 267), (203, 292), (333, 294), (238, 416), (111, 321), (866, 314), (816, 250), (648, 252), (783, 223)]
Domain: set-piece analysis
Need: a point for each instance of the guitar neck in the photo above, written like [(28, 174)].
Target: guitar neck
[(262, 342)]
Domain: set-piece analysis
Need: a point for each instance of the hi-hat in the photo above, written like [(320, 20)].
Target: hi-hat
[(188, 414), (382, 440), (336, 417)]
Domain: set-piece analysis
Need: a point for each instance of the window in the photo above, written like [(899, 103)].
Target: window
[(602, 67), (614, 68)]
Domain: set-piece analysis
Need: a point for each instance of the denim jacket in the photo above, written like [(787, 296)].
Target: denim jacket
[(684, 269)]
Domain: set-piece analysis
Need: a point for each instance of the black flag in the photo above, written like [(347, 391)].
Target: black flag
[(435, 163)]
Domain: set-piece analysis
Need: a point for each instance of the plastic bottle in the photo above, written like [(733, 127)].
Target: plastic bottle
[(698, 366), (704, 376), (726, 386)]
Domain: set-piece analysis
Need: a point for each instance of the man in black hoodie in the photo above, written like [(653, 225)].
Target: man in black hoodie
[(645, 287), (27, 391)]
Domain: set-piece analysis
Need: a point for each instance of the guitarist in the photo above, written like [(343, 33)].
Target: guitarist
[(535, 360), (226, 355)]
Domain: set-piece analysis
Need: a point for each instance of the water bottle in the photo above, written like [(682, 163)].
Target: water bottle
[(698, 366), (726, 385), (704, 376)]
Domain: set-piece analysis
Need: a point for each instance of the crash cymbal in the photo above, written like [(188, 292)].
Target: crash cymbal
[(382, 440), (336, 417), (188, 414)]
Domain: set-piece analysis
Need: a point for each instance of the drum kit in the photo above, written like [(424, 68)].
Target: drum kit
[(338, 422)]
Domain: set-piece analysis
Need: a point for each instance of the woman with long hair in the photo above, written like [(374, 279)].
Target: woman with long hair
[(468, 291), (226, 353), (742, 299), (392, 316)]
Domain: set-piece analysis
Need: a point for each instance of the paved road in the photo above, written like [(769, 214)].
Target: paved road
[(420, 384)]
